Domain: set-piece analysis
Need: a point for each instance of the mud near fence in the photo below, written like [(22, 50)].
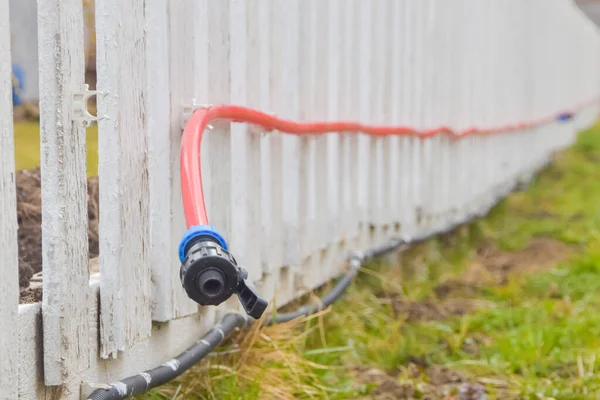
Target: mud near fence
[(29, 214)]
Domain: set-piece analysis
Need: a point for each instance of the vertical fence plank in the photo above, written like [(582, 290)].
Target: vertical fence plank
[(378, 157), (255, 178), (245, 141), (394, 72), (322, 59), (269, 255), (334, 202), (273, 152), (9, 284), (336, 102), (284, 95), (406, 204), (64, 192), (364, 114), (162, 256), (125, 292), (352, 60), (307, 149), (183, 43), (346, 87)]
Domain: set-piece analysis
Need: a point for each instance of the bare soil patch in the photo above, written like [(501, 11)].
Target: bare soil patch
[(495, 267), (29, 214), (416, 381), (492, 266), (431, 310)]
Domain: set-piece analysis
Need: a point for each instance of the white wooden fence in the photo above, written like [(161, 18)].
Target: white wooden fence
[(291, 208)]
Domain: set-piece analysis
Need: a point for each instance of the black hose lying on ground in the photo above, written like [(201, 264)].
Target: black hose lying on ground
[(150, 379)]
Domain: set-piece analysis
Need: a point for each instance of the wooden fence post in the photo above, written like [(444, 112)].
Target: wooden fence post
[(64, 192), (9, 273)]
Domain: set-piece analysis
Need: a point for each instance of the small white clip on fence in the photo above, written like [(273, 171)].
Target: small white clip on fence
[(188, 110), (79, 106)]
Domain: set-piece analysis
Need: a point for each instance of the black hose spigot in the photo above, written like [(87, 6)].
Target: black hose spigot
[(210, 274)]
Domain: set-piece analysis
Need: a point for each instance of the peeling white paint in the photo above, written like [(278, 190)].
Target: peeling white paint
[(126, 289), (63, 165)]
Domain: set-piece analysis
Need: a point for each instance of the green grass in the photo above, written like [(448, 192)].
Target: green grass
[(534, 336), (27, 146)]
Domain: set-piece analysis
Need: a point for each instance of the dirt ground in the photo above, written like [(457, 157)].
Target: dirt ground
[(29, 214), (438, 383)]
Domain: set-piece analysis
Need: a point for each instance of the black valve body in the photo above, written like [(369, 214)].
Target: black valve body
[(210, 275)]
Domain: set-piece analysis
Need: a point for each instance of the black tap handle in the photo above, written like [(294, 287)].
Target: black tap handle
[(253, 303)]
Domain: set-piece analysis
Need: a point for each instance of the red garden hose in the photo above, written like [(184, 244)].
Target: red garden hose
[(194, 205)]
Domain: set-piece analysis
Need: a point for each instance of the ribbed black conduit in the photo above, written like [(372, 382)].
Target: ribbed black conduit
[(150, 379)]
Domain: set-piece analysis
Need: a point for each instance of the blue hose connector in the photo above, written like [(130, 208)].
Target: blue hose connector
[(564, 117), (197, 231)]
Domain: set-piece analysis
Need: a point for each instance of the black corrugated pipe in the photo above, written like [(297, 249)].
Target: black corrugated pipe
[(150, 379)]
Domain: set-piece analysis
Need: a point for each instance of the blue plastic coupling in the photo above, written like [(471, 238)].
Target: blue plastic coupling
[(197, 231), (564, 117)]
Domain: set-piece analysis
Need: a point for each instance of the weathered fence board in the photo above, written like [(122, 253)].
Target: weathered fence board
[(125, 292), (162, 256), (186, 39), (9, 272), (64, 191), (285, 161)]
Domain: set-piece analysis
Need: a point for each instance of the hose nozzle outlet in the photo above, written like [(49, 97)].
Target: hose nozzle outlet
[(210, 276)]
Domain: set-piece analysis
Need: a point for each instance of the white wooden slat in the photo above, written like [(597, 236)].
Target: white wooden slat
[(9, 284), (406, 205), (354, 235), (284, 148), (245, 142), (125, 293), (162, 255), (339, 91), (64, 191), (376, 81), (319, 112), (213, 87), (307, 49), (346, 88), (257, 79), (428, 148), (416, 115), (394, 72), (270, 269), (320, 142), (286, 99), (365, 101), (213, 58), (334, 201), (184, 39)]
